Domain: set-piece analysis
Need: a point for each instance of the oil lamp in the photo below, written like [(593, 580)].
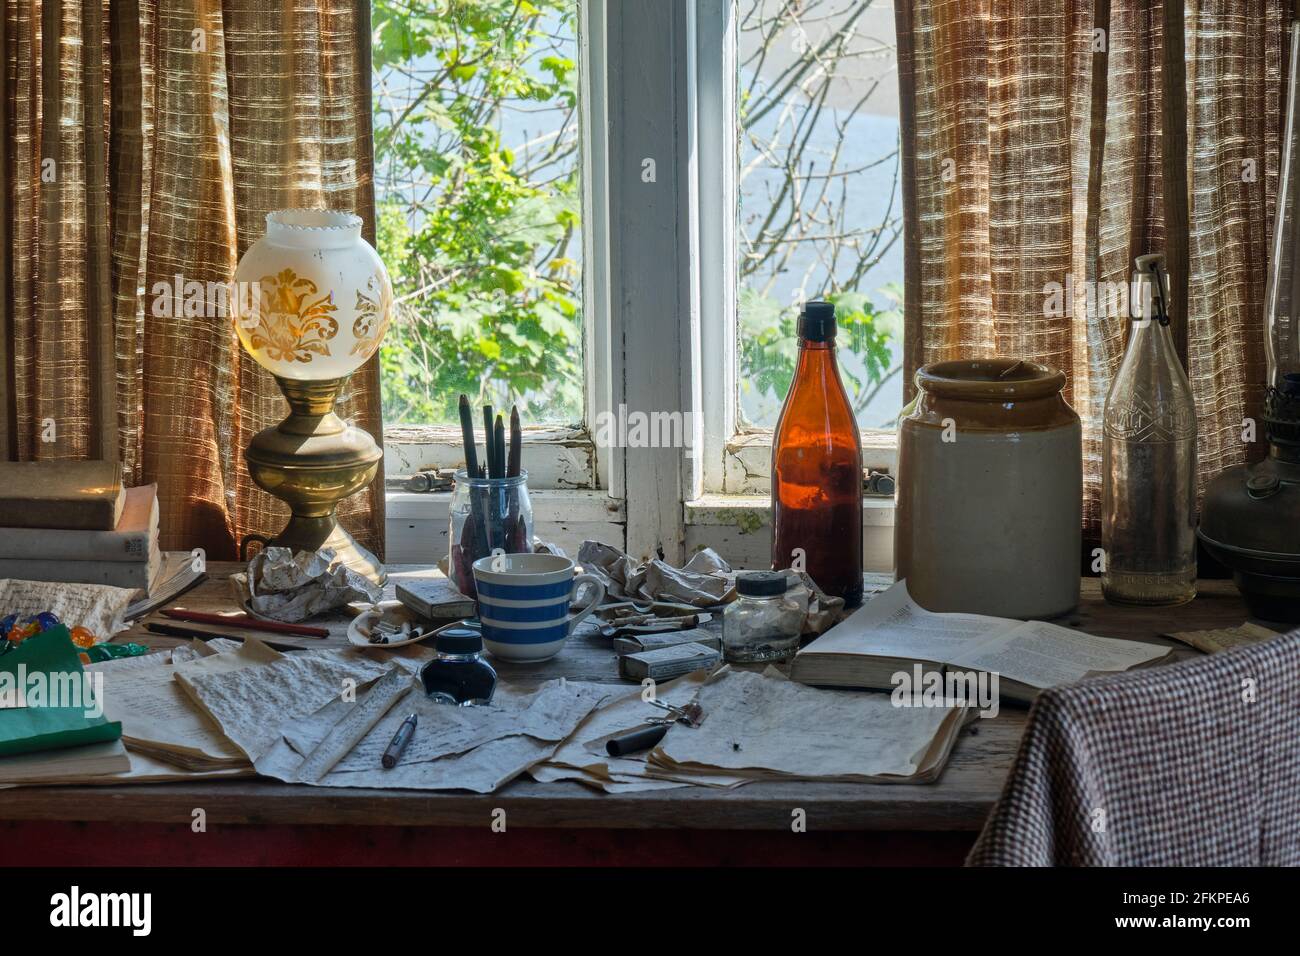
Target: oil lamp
[(1250, 518), (311, 305)]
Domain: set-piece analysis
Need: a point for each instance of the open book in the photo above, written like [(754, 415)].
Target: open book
[(891, 633)]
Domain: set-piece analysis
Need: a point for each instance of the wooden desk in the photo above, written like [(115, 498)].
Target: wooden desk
[(952, 809)]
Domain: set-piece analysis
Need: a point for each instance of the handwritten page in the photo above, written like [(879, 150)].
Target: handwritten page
[(250, 703), (468, 748), (765, 726), (583, 756), (99, 608), (280, 713), (157, 715)]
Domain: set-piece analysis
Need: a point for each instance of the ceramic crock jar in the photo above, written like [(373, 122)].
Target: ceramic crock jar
[(990, 490)]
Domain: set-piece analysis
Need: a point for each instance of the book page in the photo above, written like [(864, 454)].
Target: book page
[(155, 710), (893, 625), (98, 607), (765, 725), (1045, 655)]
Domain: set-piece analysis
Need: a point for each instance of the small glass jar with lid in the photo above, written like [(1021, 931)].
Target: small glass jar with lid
[(459, 675), (762, 624)]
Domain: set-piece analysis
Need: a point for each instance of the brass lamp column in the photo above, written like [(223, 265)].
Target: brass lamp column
[(311, 305), (311, 461)]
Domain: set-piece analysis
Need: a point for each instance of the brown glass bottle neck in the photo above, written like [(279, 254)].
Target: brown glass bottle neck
[(807, 345)]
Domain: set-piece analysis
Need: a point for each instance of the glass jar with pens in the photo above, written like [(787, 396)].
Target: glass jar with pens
[(487, 514), (490, 509)]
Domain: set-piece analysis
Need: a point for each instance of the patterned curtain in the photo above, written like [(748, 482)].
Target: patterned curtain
[(1046, 144), (143, 143)]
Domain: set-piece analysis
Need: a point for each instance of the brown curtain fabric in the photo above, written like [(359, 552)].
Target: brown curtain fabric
[(176, 127), (1046, 143)]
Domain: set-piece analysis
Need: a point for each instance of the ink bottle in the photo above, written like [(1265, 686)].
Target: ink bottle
[(459, 675), (761, 624)]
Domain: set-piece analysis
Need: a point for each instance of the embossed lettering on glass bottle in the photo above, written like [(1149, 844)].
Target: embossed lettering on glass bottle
[(1148, 522)]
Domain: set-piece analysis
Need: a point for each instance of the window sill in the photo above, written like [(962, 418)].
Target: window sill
[(416, 522), (747, 466), (557, 458)]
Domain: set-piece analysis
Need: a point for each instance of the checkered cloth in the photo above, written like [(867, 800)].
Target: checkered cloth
[(1192, 764)]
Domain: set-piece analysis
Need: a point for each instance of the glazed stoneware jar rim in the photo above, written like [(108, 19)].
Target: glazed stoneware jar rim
[(559, 569), (990, 380)]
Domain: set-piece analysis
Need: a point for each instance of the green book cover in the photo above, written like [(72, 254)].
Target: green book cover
[(47, 701)]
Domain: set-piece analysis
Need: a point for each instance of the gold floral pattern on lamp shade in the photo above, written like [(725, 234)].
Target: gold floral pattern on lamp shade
[(290, 320), (321, 295), (373, 315)]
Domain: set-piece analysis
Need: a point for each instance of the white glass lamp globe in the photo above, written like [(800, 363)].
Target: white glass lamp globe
[(312, 298)]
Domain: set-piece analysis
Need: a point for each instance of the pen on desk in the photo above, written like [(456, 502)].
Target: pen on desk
[(400, 739), (246, 621), (635, 741), (172, 630)]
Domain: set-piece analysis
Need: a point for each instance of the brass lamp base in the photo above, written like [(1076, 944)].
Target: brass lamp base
[(311, 461)]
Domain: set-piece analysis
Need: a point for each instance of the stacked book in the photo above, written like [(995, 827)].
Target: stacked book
[(74, 522)]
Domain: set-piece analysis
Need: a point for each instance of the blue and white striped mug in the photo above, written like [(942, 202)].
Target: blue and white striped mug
[(523, 604)]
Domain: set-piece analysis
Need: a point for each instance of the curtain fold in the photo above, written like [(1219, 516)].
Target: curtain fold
[(177, 126), (1042, 142)]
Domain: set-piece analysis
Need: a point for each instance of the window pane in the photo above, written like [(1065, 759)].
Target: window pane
[(820, 197), (476, 168)]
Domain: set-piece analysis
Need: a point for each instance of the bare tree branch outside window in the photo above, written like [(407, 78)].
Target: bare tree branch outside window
[(820, 212)]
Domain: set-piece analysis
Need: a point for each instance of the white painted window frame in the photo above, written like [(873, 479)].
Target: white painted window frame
[(658, 82), (735, 459), (558, 458)]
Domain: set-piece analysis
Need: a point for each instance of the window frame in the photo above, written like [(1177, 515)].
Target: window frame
[(736, 457), (559, 458), (659, 305)]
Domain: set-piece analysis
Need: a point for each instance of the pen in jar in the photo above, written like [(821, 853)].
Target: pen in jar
[(393, 753)]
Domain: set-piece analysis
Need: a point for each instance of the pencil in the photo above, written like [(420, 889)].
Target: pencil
[(246, 621), (516, 444), (499, 440), (487, 441), (467, 436), (171, 630)]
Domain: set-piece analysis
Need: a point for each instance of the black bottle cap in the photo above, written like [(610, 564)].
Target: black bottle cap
[(761, 583), (459, 640), (817, 322)]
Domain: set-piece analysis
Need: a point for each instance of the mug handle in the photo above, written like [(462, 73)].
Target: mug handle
[(591, 605)]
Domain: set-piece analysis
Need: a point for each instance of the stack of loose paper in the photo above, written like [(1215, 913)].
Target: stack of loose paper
[(583, 756), (891, 635), (160, 721), (325, 719), (766, 727)]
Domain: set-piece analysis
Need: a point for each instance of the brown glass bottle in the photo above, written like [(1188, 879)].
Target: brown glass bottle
[(817, 467)]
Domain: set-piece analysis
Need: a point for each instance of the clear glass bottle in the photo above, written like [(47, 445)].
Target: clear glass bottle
[(761, 624), (1148, 521)]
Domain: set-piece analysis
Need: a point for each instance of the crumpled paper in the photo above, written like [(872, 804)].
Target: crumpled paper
[(290, 587), (820, 609), (705, 580)]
